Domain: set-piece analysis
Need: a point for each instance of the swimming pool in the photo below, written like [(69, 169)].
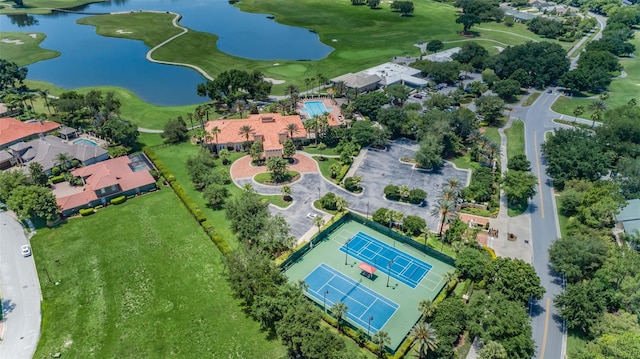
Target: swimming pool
[(315, 108), (85, 142)]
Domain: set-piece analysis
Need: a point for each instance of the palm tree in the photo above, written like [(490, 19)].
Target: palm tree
[(450, 277), (381, 339), (312, 124), (292, 91), (199, 114), (246, 131), (404, 192), (341, 204), (453, 183), (292, 128), (318, 222), (598, 107), (44, 93), (448, 194), (190, 119), (604, 96), (321, 80), (215, 131), (224, 155), (286, 192), (340, 88), (446, 210), (579, 110), (241, 105), (427, 308), (425, 337), (199, 134), (308, 81), (62, 160), (339, 310)]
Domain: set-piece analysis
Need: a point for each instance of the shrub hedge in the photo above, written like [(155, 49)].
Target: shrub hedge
[(118, 200), (57, 179), (188, 202), (86, 212)]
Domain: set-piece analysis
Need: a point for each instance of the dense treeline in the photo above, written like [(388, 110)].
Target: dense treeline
[(496, 311), (598, 170), (598, 64)]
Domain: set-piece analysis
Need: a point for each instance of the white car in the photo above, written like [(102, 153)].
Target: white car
[(26, 250), (311, 215)]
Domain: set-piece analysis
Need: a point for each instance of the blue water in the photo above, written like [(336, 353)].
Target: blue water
[(315, 108), (89, 59), (85, 141)]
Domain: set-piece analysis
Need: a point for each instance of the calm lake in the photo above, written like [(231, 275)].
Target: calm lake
[(89, 59)]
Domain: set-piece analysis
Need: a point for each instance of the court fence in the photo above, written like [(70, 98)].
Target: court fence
[(347, 328), (340, 219)]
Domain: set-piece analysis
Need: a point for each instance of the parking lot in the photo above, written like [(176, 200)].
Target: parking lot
[(377, 169)]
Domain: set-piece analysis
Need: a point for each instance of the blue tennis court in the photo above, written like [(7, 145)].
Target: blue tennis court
[(368, 309), (401, 266)]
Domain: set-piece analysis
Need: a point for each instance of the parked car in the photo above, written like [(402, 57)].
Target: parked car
[(312, 215), (26, 250), (417, 96)]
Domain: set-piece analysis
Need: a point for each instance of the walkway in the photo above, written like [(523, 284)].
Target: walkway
[(184, 31)]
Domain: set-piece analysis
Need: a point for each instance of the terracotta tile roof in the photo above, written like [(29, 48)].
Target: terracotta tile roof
[(105, 174), (12, 130), (269, 125)]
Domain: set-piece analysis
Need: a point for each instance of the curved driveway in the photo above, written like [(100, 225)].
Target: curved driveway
[(20, 293)]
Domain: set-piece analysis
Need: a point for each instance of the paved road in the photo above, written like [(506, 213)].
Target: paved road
[(548, 330), (20, 293)]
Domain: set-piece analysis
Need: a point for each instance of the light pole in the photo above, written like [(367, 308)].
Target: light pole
[(318, 192), (367, 210), (347, 251), (324, 301), (389, 271), (369, 326)]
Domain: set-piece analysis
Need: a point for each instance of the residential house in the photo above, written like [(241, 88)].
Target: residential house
[(270, 128), (13, 130), (104, 181), (45, 151)]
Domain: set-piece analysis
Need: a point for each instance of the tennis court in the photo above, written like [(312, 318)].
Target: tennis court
[(365, 307), (399, 265), (390, 303)]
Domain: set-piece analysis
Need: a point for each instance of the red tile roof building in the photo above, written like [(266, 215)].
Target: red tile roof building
[(270, 128), (104, 181), (13, 131)]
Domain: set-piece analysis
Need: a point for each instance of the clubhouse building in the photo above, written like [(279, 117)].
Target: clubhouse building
[(272, 129)]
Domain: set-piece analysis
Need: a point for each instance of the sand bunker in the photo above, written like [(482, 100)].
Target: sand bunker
[(123, 32), (33, 35), (17, 42), (274, 81)]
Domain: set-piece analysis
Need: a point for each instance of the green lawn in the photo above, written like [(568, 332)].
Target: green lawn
[(515, 139), (175, 157), (325, 165), (363, 37), (531, 98), (492, 134), (27, 52), (140, 280), (265, 177), (312, 149), (620, 90), (133, 109), (42, 6)]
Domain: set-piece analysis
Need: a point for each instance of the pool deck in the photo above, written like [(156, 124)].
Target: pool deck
[(335, 115)]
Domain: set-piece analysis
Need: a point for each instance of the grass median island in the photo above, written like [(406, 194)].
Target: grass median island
[(133, 109), (140, 280), (25, 49), (515, 139)]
